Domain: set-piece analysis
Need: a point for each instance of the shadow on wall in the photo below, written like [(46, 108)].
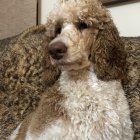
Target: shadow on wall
[(16, 16)]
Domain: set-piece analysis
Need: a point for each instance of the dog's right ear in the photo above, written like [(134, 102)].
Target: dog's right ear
[(108, 53)]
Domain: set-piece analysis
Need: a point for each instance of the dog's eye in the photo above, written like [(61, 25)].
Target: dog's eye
[(82, 26), (58, 30)]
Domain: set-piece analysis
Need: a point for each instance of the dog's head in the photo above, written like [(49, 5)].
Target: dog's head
[(82, 33)]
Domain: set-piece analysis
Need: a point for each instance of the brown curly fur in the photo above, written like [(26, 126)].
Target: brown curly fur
[(108, 54), (24, 61)]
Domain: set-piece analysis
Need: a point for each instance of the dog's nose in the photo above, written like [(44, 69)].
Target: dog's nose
[(57, 50)]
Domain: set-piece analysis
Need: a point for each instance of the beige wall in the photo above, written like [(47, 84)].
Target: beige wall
[(16, 16), (45, 8), (126, 16)]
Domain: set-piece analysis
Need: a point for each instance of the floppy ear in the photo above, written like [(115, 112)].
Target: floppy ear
[(108, 53)]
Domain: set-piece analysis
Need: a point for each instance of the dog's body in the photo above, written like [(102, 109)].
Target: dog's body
[(85, 108), (87, 102)]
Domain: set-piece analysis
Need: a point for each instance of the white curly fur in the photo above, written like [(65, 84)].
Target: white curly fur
[(98, 110)]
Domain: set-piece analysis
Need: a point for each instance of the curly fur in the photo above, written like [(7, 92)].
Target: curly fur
[(16, 102), (87, 102)]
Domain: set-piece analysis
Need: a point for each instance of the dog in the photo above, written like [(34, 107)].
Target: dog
[(87, 102)]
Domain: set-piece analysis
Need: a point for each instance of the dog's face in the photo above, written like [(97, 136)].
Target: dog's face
[(81, 32), (74, 34), (70, 49)]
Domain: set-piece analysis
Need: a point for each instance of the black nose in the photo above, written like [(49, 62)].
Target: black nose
[(57, 50)]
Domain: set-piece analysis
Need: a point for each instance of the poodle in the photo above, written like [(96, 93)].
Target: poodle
[(87, 102)]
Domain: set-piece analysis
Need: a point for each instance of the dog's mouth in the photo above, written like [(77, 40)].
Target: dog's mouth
[(62, 63), (65, 64), (70, 65)]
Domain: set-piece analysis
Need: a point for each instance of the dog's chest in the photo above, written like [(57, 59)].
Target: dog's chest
[(87, 95), (88, 108)]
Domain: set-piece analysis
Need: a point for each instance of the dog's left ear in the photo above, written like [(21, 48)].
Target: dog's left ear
[(108, 53)]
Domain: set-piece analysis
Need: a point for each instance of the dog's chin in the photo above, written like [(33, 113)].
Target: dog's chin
[(68, 66)]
